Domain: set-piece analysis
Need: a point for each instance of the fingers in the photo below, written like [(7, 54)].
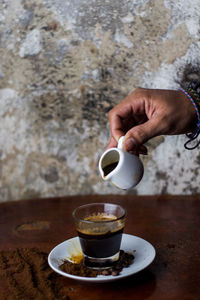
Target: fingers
[(116, 126), (126, 117), (138, 135), (116, 116), (143, 150), (112, 143), (140, 150)]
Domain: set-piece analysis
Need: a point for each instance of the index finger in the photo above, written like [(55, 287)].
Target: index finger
[(116, 127), (112, 143), (116, 116)]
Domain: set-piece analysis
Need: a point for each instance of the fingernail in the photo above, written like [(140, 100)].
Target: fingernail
[(130, 144)]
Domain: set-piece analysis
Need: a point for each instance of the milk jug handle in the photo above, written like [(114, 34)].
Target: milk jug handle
[(120, 142)]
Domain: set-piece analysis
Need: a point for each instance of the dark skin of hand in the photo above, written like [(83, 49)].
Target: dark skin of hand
[(147, 113)]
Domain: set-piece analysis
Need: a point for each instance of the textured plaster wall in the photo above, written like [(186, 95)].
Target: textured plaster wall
[(64, 65)]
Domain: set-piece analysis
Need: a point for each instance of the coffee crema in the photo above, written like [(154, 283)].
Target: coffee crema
[(100, 217)]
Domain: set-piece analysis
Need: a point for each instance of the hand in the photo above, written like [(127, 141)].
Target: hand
[(147, 113)]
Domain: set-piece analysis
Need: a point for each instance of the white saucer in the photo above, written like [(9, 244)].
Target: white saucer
[(144, 255)]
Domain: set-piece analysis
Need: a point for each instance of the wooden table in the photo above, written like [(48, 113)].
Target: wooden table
[(170, 223)]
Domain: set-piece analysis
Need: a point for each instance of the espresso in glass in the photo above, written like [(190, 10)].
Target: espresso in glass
[(100, 227)]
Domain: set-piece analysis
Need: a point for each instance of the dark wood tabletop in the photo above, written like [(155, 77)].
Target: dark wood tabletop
[(170, 223)]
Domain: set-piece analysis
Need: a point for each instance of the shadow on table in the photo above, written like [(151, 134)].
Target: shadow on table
[(140, 286), (143, 283)]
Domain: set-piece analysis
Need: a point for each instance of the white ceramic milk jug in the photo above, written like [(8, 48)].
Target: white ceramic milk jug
[(122, 169)]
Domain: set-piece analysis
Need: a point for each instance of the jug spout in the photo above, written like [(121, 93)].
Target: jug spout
[(109, 162)]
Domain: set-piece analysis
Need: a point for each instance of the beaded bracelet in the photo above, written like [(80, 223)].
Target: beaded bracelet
[(194, 95), (192, 136)]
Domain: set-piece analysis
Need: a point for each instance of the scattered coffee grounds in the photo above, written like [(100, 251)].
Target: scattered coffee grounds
[(125, 260), (26, 275)]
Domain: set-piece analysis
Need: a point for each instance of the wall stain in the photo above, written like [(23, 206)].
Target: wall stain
[(55, 101)]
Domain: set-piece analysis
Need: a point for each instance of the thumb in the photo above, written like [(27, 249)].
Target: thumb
[(140, 134)]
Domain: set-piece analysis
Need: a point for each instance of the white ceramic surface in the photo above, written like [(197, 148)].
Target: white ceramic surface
[(144, 255), (129, 170)]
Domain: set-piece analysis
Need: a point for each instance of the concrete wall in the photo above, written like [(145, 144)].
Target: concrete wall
[(64, 65)]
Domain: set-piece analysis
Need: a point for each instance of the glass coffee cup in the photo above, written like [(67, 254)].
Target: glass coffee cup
[(100, 227)]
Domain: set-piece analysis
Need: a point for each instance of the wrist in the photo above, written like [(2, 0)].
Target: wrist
[(196, 103), (193, 110), (194, 98)]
